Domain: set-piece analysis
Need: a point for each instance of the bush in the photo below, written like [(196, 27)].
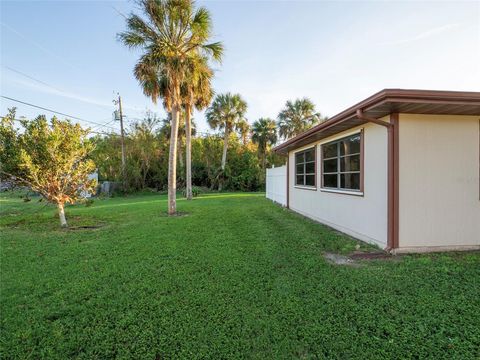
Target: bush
[(147, 161), (196, 190)]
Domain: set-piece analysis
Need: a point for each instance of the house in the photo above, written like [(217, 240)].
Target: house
[(400, 169)]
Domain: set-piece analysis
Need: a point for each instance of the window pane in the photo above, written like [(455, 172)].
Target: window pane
[(330, 165), (330, 181), (329, 151), (310, 155), (299, 169), (299, 157), (350, 181), (310, 168), (350, 163), (299, 180), (310, 180), (350, 145)]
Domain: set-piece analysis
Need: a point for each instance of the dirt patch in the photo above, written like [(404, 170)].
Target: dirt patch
[(338, 259), (176, 215), (84, 227), (380, 255), (374, 255), (357, 257), (16, 224)]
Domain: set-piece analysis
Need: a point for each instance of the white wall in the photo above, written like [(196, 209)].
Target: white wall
[(276, 185), (439, 181), (364, 217)]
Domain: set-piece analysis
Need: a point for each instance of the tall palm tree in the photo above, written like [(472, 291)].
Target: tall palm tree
[(226, 111), (166, 127), (171, 34), (243, 128), (296, 117), (264, 134), (196, 92), (166, 130)]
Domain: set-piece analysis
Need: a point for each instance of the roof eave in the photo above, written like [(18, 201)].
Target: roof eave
[(379, 98)]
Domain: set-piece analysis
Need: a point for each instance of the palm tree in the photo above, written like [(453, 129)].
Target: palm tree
[(225, 113), (296, 117), (166, 130), (172, 33), (243, 128), (196, 92), (264, 134)]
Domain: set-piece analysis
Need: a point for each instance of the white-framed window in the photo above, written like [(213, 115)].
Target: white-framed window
[(305, 168), (342, 164)]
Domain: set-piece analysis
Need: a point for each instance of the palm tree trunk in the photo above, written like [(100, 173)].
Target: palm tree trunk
[(188, 145), (61, 214), (180, 159), (172, 161), (224, 160), (225, 145)]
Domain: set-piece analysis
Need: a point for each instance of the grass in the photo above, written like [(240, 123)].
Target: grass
[(236, 277)]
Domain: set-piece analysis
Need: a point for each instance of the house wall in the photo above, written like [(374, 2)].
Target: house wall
[(364, 217), (439, 189)]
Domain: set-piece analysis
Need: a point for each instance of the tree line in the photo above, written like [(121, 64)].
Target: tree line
[(176, 67), (55, 158), (233, 159), (43, 155)]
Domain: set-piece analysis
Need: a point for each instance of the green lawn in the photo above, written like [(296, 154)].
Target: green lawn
[(236, 277)]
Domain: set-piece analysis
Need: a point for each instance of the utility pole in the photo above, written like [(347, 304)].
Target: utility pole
[(122, 136)]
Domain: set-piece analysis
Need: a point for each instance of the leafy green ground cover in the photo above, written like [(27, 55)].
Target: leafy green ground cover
[(235, 277)]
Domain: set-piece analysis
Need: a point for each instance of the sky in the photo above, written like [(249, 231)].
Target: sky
[(64, 56)]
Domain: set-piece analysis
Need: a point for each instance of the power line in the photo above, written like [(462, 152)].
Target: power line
[(103, 133), (133, 118), (198, 133), (51, 53), (56, 112), (31, 78), (122, 133), (90, 131), (57, 90), (104, 124), (118, 12)]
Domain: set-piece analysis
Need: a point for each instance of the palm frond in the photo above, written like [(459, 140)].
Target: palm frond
[(175, 40), (215, 50), (226, 111), (296, 117), (201, 25)]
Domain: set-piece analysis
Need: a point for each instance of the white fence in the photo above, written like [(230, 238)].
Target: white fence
[(277, 185), (92, 176)]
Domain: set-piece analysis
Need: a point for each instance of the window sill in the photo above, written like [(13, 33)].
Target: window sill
[(314, 188), (344, 192)]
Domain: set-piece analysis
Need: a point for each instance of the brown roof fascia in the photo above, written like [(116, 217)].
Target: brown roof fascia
[(334, 120), (388, 95)]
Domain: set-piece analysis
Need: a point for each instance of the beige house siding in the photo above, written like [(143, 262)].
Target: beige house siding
[(364, 217), (439, 204)]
